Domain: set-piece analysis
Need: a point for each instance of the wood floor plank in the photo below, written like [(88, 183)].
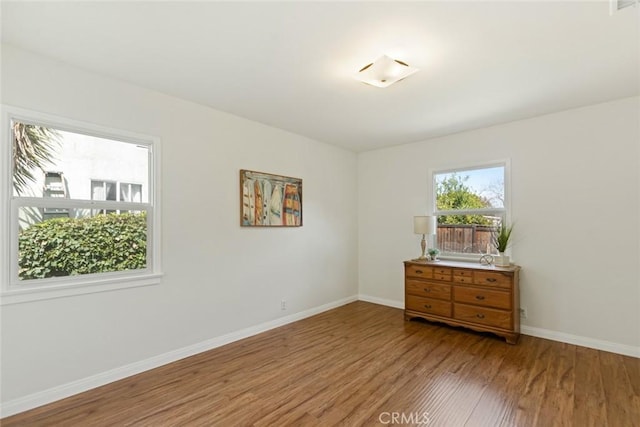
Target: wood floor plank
[(422, 393), (557, 400), (632, 367), (360, 365), (498, 403), (466, 382), (589, 405), (386, 377), (618, 391)]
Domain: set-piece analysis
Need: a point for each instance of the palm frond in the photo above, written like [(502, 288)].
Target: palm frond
[(33, 148)]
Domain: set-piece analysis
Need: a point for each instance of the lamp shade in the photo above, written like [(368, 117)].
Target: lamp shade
[(424, 224)]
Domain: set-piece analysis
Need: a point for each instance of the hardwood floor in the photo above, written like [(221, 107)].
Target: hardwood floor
[(362, 364)]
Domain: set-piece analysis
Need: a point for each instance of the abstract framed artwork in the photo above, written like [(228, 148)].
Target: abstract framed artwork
[(268, 200)]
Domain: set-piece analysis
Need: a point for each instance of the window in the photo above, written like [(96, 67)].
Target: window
[(120, 191), (469, 204), (70, 233), (130, 192)]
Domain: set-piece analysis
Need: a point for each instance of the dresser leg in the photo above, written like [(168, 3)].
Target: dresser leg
[(512, 339)]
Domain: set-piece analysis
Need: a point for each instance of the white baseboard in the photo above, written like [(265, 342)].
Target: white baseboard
[(613, 347), (381, 301), (597, 344), (60, 392)]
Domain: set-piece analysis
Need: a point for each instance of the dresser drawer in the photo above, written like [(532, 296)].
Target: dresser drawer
[(428, 289), (491, 278), (462, 276), (419, 271), (482, 296), (429, 306), (482, 315), (463, 273), (442, 273)]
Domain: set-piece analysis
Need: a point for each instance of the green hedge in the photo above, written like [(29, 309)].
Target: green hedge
[(70, 246)]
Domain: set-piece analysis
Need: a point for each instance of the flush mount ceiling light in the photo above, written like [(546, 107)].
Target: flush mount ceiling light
[(616, 5), (384, 72)]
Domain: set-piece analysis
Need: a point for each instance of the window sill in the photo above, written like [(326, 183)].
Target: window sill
[(467, 258), (19, 296)]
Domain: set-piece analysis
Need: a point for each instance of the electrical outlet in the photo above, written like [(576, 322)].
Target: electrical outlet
[(523, 312), (283, 305)]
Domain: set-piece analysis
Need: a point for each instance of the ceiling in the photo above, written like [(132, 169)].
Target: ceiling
[(291, 64)]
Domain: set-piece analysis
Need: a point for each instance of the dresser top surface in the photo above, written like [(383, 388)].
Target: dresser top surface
[(462, 264)]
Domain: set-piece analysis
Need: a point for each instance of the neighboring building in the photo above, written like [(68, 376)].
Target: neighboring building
[(89, 168)]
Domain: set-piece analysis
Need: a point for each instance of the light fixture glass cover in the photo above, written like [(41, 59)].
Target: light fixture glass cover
[(384, 71)]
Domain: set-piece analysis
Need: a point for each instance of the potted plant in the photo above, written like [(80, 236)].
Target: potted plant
[(433, 254), (500, 239)]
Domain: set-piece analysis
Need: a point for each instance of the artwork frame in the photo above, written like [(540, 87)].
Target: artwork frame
[(269, 200)]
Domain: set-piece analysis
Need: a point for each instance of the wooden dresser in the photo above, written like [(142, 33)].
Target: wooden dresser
[(480, 297)]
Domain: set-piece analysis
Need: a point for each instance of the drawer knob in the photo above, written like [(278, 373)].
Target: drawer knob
[(427, 306), (427, 290), (480, 297), (491, 279), (480, 316), (418, 271)]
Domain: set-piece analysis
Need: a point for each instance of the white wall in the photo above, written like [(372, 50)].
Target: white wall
[(575, 203), (219, 277)]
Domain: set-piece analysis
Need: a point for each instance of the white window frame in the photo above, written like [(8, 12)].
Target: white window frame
[(505, 212), (15, 291)]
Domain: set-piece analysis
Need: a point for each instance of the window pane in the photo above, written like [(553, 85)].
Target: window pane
[(470, 189), (110, 190), (98, 191), (125, 192), (75, 165), (101, 190), (136, 193), (471, 236), (130, 192), (76, 243), (479, 195)]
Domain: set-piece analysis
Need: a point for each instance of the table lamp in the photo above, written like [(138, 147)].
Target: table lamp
[(424, 225)]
